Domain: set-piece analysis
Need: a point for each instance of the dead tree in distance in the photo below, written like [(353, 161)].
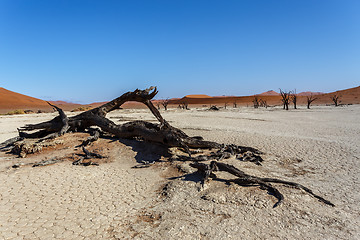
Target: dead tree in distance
[(263, 103), (293, 97), (310, 99), (162, 133), (165, 103), (285, 99), (336, 99), (256, 101), (234, 104), (184, 105)]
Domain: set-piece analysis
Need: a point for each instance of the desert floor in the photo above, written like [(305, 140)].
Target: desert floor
[(319, 148)]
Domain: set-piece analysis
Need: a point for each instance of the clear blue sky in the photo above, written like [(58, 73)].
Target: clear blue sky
[(86, 51)]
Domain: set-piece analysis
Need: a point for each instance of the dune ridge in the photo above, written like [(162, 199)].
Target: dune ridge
[(10, 100)]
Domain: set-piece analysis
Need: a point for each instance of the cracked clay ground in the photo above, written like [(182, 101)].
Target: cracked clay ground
[(318, 148)]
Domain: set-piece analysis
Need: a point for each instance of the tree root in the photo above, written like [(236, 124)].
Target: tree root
[(47, 162), (39, 164), (95, 134), (88, 155), (206, 170), (226, 151), (9, 144), (28, 146)]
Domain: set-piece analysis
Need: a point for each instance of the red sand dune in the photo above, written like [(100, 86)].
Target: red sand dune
[(308, 93), (67, 106), (269, 93), (348, 96), (197, 96), (10, 101), (273, 93)]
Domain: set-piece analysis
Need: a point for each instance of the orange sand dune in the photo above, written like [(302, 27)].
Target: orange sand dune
[(348, 96), (67, 106), (308, 93), (11, 101), (269, 93), (197, 96)]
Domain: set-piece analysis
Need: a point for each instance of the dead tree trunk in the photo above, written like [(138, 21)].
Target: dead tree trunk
[(165, 103), (184, 105), (310, 99), (336, 100), (256, 102), (263, 103), (161, 133), (294, 98), (285, 99)]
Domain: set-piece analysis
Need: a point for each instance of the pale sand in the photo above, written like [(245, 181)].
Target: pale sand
[(318, 148)]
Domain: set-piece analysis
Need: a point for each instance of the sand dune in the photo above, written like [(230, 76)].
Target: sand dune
[(347, 96), (197, 96), (11, 100), (308, 93), (269, 93)]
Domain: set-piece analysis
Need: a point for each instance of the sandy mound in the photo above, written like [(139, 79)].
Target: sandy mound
[(308, 93), (197, 96), (11, 100), (269, 93)]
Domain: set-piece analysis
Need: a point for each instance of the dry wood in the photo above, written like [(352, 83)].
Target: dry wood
[(162, 133), (207, 169), (95, 134), (310, 99), (336, 99), (39, 164), (285, 99)]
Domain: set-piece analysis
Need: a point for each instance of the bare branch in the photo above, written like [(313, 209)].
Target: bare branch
[(285, 99)]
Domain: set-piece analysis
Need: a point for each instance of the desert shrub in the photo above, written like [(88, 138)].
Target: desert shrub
[(17, 111)]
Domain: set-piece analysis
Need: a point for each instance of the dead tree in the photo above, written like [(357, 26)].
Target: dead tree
[(184, 105), (234, 105), (310, 99), (336, 99), (285, 99), (256, 102), (214, 108), (293, 97), (165, 103), (162, 133), (263, 103)]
